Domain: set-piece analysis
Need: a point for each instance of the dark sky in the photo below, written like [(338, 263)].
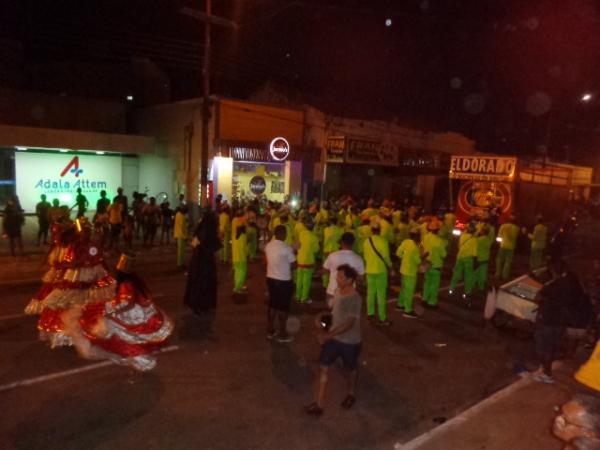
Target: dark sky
[(507, 73)]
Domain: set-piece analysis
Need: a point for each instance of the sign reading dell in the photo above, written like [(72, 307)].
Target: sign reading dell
[(59, 175)]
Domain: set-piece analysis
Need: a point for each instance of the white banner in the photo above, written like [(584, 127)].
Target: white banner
[(58, 175)]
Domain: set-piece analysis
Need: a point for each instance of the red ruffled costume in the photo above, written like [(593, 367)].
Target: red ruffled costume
[(77, 275), (126, 330)]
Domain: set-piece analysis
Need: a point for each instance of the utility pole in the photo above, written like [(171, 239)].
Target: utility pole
[(208, 20)]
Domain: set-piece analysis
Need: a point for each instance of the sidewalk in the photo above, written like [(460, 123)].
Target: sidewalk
[(518, 417)]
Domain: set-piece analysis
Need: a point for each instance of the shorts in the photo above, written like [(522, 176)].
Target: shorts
[(280, 294), (332, 350)]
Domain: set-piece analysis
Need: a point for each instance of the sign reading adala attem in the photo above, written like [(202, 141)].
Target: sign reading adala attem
[(485, 168)]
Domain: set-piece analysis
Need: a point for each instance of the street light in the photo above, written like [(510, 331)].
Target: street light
[(586, 97)]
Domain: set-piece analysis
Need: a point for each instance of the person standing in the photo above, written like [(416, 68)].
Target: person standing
[(485, 239), (180, 233), (376, 252), (307, 255), (122, 199), (239, 258), (137, 207), (42, 211), (151, 214), (508, 234), (115, 220), (343, 256), (463, 268), (279, 259), (410, 254), (363, 233), (55, 213), (331, 243), (13, 220), (538, 243), (102, 203), (201, 286), (435, 253), (225, 232), (341, 340), (166, 214), (81, 202)]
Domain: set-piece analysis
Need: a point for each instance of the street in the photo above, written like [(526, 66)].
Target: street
[(222, 385)]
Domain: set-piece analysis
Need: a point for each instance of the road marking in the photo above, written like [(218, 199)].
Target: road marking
[(13, 316), (463, 416), (66, 373)]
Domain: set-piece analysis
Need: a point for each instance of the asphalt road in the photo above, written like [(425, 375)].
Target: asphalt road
[(227, 387)]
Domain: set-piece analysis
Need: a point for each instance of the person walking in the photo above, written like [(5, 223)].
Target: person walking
[(410, 255), (485, 239), (12, 222), (279, 258), (376, 253), (538, 243), (180, 233), (239, 258), (201, 286), (42, 210), (307, 255), (463, 268), (342, 339), (435, 253), (343, 256), (331, 243), (508, 234)]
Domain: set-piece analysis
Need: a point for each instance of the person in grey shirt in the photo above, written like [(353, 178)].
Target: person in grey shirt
[(340, 339)]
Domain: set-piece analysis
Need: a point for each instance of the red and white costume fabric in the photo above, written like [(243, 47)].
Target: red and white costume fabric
[(126, 330), (78, 275)]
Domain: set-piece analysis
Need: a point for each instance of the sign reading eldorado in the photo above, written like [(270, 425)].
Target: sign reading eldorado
[(484, 168)]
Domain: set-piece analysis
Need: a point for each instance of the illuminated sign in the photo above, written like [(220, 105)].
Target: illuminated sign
[(360, 151), (258, 185), (479, 197), (59, 175), (484, 168), (279, 149), (336, 145)]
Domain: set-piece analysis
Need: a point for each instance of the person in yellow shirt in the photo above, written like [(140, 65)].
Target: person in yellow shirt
[(485, 240), (467, 250), (369, 211), (376, 252), (251, 233), (410, 255), (387, 231), (402, 230), (307, 255), (352, 221), (363, 233), (180, 233), (298, 229), (239, 257), (538, 240), (225, 233), (331, 243), (508, 234), (435, 253)]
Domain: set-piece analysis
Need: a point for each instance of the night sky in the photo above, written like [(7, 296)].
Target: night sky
[(509, 74)]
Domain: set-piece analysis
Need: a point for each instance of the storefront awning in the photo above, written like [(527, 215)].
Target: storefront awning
[(16, 136)]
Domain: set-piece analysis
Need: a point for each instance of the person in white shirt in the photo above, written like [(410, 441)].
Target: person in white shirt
[(344, 256), (279, 260)]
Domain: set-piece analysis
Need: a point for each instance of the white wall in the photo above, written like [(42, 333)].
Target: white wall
[(157, 175)]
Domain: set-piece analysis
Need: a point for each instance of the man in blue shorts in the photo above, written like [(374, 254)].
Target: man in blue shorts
[(339, 339)]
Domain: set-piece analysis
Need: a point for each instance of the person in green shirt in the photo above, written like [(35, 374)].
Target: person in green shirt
[(410, 254), (284, 220), (225, 233), (352, 221), (485, 239), (252, 233), (508, 234), (307, 254), (239, 256), (387, 231), (435, 252), (402, 230), (363, 233), (538, 243), (467, 249), (376, 253), (331, 243)]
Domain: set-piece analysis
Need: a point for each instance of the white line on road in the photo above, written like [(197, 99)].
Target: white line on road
[(66, 373)]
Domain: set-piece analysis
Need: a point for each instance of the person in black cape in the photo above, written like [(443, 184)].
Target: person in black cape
[(201, 287)]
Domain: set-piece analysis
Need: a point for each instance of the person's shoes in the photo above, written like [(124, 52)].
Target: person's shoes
[(384, 323), (399, 308), (348, 402), (284, 339), (541, 377), (410, 315), (313, 410), (371, 319), (271, 336)]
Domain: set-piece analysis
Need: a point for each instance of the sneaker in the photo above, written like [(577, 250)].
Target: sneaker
[(384, 323), (284, 339), (399, 308), (543, 378), (410, 315), (271, 336)]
